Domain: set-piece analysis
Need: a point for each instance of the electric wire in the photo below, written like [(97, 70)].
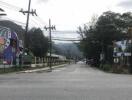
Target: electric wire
[(35, 20)]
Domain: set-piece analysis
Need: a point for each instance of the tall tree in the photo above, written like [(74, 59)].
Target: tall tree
[(37, 42), (110, 26)]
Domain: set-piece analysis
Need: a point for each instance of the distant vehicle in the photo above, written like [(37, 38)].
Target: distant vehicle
[(89, 61)]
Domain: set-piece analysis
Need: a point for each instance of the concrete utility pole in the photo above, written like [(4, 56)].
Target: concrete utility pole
[(28, 12), (130, 58), (50, 27)]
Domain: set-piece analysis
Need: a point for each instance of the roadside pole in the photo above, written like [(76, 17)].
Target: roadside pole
[(130, 58), (50, 27), (28, 12)]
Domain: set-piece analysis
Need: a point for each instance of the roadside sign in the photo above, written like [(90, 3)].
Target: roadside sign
[(119, 54)]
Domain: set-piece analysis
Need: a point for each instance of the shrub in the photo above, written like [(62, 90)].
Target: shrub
[(106, 67)]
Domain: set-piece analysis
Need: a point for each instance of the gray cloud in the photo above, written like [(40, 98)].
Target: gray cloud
[(126, 4)]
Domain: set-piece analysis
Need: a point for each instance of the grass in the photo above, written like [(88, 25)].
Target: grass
[(119, 69), (106, 67), (9, 70)]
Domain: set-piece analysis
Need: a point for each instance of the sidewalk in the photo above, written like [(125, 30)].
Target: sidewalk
[(42, 69)]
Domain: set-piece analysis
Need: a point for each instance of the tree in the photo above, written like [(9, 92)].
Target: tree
[(37, 42), (90, 46), (109, 26)]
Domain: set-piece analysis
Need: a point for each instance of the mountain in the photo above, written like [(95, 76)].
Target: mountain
[(70, 50), (14, 27)]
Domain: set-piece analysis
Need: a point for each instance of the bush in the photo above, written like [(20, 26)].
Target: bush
[(106, 67), (115, 68)]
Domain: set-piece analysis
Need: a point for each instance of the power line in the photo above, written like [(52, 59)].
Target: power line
[(17, 9), (38, 21), (10, 6), (28, 12), (7, 5), (34, 21), (65, 40), (17, 22), (21, 23), (65, 31)]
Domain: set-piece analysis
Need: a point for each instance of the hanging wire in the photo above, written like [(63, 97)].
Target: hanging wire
[(35, 20), (9, 6)]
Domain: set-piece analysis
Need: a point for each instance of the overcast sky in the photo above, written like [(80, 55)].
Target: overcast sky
[(65, 14)]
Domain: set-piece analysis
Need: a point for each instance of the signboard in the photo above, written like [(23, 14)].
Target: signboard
[(119, 54), (116, 60), (127, 54)]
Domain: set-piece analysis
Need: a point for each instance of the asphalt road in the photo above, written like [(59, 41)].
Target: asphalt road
[(73, 82)]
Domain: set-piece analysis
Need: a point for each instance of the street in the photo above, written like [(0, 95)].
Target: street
[(72, 82)]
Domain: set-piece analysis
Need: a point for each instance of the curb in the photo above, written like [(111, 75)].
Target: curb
[(42, 69)]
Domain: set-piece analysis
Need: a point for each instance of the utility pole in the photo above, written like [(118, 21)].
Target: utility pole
[(28, 12), (130, 58), (50, 27)]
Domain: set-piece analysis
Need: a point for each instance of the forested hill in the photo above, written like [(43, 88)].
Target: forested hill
[(67, 49), (14, 27)]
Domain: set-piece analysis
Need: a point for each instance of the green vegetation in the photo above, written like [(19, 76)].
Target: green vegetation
[(98, 36), (106, 67), (37, 42)]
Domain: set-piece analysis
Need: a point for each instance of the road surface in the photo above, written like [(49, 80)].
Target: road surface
[(73, 82)]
